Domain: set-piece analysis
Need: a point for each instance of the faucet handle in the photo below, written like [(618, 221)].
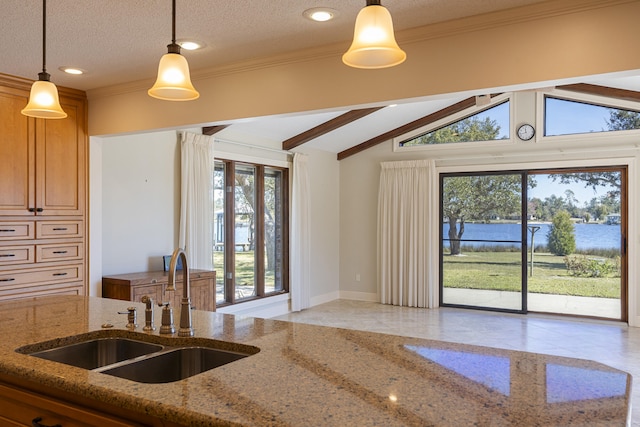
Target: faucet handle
[(167, 326)]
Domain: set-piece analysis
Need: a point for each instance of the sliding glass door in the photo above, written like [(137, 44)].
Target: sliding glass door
[(551, 241), (483, 251)]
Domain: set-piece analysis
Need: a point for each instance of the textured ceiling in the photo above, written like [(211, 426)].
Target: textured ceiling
[(118, 41)]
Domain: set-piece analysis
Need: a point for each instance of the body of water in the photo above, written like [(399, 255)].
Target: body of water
[(588, 236)]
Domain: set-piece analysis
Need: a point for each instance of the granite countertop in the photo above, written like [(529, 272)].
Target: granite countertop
[(307, 375)]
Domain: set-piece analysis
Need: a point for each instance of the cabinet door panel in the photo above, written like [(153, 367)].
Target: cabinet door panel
[(16, 154), (60, 148)]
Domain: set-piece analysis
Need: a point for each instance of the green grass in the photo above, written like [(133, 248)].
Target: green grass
[(501, 271)]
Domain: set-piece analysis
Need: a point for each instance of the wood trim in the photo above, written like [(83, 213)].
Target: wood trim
[(416, 124), (327, 127), (211, 130), (259, 228), (628, 95)]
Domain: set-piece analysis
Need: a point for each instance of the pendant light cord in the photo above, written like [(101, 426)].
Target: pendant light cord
[(44, 40), (173, 47), (173, 23)]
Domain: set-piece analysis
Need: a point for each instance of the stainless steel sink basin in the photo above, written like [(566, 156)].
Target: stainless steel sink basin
[(98, 352), (174, 365), (138, 356)]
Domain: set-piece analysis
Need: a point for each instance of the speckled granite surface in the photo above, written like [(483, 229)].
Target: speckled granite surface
[(308, 375)]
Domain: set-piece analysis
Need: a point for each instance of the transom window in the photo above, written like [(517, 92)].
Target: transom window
[(250, 231), (566, 117), (487, 125)]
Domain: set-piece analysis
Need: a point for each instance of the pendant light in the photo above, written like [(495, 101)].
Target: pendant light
[(43, 99), (374, 43), (174, 81)]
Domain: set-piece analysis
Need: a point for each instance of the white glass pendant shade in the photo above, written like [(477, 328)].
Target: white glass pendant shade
[(374, 43), (44, 102), (174, 81)]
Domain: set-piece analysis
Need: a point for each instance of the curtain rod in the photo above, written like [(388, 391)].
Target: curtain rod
[(257, 147)]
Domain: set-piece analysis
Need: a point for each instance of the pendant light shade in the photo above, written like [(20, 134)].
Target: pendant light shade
[(174, 80), (374, 43), (43, 99)]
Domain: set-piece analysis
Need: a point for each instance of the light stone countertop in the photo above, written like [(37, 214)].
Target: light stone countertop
[(307, 375)]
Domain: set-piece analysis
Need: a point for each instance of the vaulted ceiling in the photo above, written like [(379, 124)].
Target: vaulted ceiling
[(120, 41)]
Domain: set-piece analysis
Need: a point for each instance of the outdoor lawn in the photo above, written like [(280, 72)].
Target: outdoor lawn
[(501, 271)]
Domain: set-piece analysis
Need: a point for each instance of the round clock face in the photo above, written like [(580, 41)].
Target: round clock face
[(526, 132)]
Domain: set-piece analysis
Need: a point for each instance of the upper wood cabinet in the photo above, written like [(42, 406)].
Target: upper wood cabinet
[(41, 161)]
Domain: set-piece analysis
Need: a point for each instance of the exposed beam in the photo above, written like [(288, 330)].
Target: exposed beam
[(327, 127), (416, 124), (611, 92), (210, 130)]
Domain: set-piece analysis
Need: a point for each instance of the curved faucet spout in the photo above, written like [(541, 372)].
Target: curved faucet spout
[(186, 328)]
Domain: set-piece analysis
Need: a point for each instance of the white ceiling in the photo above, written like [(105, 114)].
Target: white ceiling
[(120, 41)]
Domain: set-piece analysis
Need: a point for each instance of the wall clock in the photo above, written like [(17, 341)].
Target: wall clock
[(526, 132)]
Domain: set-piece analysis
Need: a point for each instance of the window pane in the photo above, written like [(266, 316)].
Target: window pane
[(273, 220), (218, 229), (488, 125), (244, 197), (563, 117)]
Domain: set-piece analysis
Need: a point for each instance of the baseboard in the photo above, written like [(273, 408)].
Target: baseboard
[(360, 296)]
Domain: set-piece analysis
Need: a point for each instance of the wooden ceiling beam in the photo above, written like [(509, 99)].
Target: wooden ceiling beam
[(611, 92), (326, 127), (211, 130), (416, 124)]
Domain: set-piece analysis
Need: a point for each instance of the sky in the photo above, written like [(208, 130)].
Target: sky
[(546, 187)]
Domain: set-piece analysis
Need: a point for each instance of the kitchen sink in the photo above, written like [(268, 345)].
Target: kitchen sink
[(174, 365), (140, 357), (98, 352)]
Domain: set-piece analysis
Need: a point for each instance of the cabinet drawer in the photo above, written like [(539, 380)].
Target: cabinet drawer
[(24, 408), (59, 252), (68, 273), (16, 230), (58, 229), (10, 255)]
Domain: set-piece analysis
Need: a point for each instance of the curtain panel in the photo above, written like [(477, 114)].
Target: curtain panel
[(196, 199), (404, 206), (300, 241)]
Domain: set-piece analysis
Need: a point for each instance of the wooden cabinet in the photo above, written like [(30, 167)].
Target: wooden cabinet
[(43, 175), (28, 405), (133, 286), (24, 408)]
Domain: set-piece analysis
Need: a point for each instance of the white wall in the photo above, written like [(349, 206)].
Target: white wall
[(138, 214), (140, 201)]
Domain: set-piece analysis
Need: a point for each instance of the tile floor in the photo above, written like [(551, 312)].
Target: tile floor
[(611, 343)]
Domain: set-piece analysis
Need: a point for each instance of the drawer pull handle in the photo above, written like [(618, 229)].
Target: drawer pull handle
[(60, 229), (7, 230), (7, 255), (7, 280), (59, 252), (36, 423), (59, 274)]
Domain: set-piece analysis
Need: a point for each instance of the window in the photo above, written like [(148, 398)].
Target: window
[(487, 125), (250, 231), (565, 117)]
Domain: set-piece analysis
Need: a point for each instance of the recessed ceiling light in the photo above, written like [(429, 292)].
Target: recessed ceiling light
[(392, 105), (320, 14), (190, 44), (73, 70)]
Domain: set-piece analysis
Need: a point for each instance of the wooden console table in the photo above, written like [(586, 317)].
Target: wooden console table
[(133, 286)]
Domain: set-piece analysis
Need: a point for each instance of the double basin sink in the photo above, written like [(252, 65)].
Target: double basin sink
[(140, 357)]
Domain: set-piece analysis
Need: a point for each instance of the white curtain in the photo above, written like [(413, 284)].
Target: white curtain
[(404, 206), (300, 242), (196, 207)]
